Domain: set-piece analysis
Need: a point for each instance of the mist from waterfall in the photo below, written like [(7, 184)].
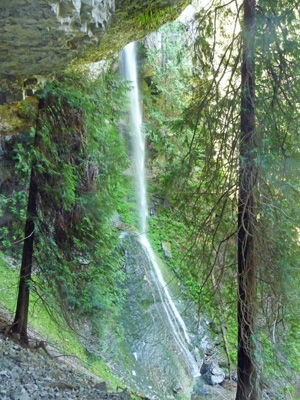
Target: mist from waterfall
[(172, 315)]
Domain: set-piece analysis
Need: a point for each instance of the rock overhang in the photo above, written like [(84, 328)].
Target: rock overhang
[(42, 37)]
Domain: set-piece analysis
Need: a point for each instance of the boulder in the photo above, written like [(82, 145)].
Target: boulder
[(200, 389), (212, 373), (177, 389)]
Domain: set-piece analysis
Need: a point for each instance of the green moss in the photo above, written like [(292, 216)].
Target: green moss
[(132, 21), (17, 116), (8, 285), (126, 206), (55, 333)]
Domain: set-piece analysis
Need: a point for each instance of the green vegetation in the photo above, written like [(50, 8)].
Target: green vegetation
[(51, 326), (170, 101), (77, 158), (193, 126), (126, 206), (224, 190)]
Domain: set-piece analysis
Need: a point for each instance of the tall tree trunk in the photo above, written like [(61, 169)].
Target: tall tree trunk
[(19, 325), (21, 317), (247, 368)]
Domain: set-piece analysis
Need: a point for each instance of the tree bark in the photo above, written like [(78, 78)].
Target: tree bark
[(247, 388), (20, 323), (21, 317)]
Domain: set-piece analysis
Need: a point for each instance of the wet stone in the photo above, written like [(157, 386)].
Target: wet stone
[(177, 390)]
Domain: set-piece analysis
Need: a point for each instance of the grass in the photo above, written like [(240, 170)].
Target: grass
[(55, 333)]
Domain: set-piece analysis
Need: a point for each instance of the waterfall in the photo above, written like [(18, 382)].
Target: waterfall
[(138, 137), (171, 314)]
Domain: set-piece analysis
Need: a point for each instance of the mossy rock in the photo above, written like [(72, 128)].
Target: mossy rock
[(40, 37), (17, 116)]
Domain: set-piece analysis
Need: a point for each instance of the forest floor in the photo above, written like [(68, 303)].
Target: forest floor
[(41, 372)]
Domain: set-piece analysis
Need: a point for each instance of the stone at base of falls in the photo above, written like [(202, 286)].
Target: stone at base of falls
[(166, 249), (200, 388), (212, 373), (177, 390), (216, 377)]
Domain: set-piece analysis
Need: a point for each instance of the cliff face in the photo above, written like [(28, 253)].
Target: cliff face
[(40, 37)]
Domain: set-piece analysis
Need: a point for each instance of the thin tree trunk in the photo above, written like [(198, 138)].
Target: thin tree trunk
[(20, 323), (247, 368)]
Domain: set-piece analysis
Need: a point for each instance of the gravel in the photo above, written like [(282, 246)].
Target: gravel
[(29, 375)]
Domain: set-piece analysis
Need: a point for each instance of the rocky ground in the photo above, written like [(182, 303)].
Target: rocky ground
[(28, 375), (33, 374), (38, 374)]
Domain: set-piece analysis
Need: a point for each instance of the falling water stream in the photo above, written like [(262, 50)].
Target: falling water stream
[(174, 320)]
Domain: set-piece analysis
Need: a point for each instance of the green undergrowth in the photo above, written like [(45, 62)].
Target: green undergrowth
[(56, 333), (126, 205), (181, 273), (280, 355), (163, 227)]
